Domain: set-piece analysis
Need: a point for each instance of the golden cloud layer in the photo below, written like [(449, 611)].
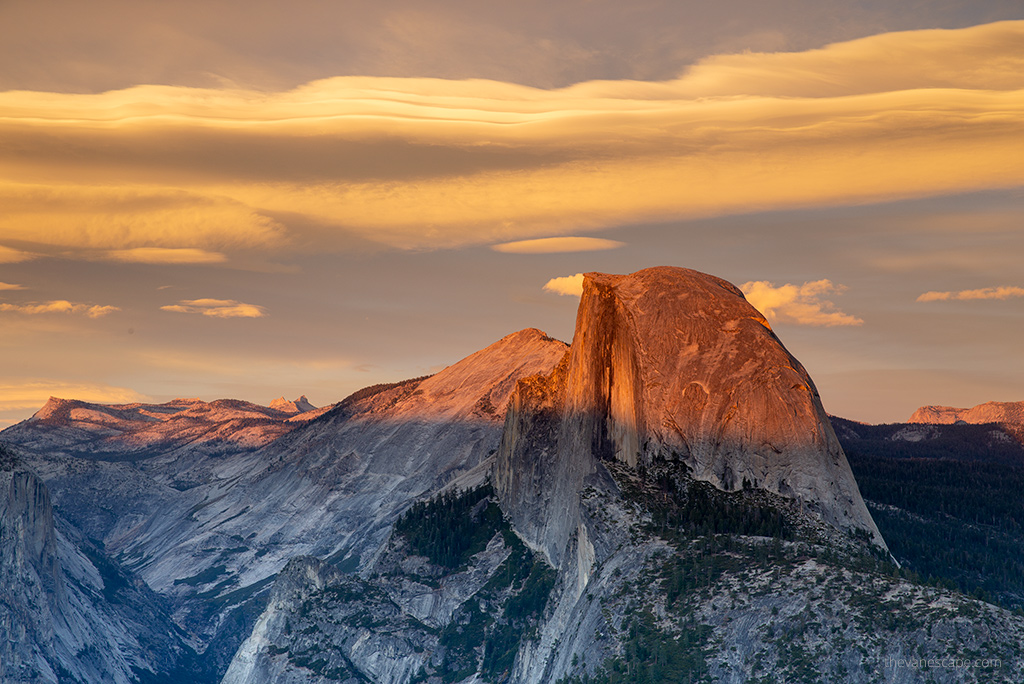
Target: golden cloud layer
[(163, 255), (1002, 292), (33, 393), (801, 304), (13, 256), (426, 163), (59, 306), (217, 308)]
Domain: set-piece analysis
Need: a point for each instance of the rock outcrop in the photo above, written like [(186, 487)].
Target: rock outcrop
[(669, 363), (990, 412), (300, 405)]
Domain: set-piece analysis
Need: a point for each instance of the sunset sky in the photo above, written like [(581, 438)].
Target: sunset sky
[(249, 200)]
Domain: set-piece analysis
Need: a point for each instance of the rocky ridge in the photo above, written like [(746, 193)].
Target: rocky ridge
[(210, 529), (989, 412), (186, 428), (300, 405)]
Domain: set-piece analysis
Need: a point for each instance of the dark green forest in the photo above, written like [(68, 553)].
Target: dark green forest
[(949, 506)]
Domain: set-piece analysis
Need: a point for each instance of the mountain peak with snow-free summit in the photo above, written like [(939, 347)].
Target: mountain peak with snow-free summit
[(296, 406), (1011, 412), (671, 364)]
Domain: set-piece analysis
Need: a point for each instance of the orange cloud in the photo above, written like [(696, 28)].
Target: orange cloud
[(163, 255), (1003, 292), (59, 306), (801, 304), (33, 393), (10, 286), (14, 256), (566, 285), (217, 308), (556, 245), (426, 163)]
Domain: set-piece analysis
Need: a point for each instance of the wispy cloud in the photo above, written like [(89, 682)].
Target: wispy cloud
[(10, 286), (801, 304), (566, 285), (217, 308), (1002, 292), (13, 256), (897, 115), (557, 244), (59, 306), (164, 255)]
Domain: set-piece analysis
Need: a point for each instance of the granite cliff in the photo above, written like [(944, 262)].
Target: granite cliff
[(670, 364), (67, 613)]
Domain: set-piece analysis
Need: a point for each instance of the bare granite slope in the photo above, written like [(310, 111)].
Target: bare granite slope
[(207, 516)]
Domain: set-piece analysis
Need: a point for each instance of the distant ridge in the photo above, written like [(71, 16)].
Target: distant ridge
[(989, 412)]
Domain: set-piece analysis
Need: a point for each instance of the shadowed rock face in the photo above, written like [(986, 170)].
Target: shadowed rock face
[(669, 362)]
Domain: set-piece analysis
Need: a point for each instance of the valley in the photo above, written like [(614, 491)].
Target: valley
[(662, 500)]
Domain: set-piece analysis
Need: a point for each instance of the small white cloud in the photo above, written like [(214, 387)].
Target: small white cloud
[(59, 306), (1001, 292), (566, 285), (801, 304), (217, 308), (557, 244), (163, 255)]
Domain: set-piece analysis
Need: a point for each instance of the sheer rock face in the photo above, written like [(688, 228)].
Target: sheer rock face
[(669, 362), (990, 412), (62, 617)]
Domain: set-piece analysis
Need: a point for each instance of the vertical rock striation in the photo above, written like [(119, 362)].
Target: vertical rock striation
[(670, 363)]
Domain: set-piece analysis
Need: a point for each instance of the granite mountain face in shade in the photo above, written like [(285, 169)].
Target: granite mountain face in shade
[(66, 613), (669, 363)]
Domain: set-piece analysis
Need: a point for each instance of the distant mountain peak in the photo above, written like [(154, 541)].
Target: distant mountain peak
[(300, 405), (126, 431), (1011, 412), (477, 387), (53, 408)]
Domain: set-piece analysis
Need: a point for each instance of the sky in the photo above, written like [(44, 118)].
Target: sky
[(264, 199)]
